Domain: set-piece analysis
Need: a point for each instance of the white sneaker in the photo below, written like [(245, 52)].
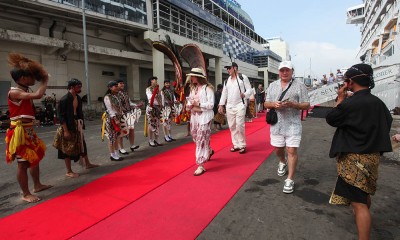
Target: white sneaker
[(116, 155), (289, 186), (281, 169), (123, 151)]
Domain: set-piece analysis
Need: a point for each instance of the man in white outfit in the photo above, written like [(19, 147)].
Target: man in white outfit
[(234, 94)]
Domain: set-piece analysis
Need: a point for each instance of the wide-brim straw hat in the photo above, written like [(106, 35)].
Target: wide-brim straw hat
[(197, 72)]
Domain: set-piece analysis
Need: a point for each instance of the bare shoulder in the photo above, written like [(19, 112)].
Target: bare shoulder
[(15, 94)]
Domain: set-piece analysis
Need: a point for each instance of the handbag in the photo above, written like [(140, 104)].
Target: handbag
[(272, 117)]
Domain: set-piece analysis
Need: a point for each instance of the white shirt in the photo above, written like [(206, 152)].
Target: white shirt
[(206, 100), (109, 107), (149, 94), (231, 94)]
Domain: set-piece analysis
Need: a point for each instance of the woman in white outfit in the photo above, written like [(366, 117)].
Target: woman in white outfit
[(200, 103)]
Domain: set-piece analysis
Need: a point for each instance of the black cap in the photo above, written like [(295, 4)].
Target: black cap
[(119, 81), (167, 81), (362, 74), (233, 64), (112, 84), (73, 82)]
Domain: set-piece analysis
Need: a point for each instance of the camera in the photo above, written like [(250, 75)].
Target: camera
[(339, 86)]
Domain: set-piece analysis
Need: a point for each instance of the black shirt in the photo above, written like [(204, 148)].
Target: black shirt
[(363, 125), (66, 111)]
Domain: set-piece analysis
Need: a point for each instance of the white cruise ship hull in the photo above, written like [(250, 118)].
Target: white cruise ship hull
[(380, 45)]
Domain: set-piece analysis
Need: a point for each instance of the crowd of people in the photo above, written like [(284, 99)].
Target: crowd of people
[(331, 79), (362, 123)]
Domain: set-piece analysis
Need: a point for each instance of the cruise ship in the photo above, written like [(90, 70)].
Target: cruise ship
[(380, 45)]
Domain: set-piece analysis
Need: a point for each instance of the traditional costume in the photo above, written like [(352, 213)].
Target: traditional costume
[(21, 140), (131, 111), (168, 110), (153, 113), (363, 125), (113, 109), (75, 147), (131, 115)]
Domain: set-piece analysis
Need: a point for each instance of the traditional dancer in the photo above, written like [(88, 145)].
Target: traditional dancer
[(22, 143), (127, 107), (69, 139), (201, 104), (153, 111), (169, 100), (112, 119)]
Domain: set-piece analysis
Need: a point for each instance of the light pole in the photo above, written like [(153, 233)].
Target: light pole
[(85, 50)]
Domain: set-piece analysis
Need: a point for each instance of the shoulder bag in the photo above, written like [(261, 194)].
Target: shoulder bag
[(272, 117)]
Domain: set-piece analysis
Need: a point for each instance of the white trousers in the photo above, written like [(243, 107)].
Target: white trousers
[(236, 117)]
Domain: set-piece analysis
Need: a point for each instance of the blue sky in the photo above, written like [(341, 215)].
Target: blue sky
[(315, 30)]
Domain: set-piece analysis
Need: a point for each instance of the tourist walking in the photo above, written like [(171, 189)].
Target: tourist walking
[(260, 98), (200, 103), (251, 104), (234, 94), (288, 97), (219, 119)]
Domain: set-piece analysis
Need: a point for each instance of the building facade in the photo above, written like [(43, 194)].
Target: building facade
[(119, 34)]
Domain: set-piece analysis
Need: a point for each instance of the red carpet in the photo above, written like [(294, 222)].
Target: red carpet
[(156, 198)]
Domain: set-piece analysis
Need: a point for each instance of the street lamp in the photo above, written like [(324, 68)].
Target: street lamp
[(85, 50)]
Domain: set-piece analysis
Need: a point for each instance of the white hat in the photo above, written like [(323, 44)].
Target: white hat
[(197, 72), (285, 64)]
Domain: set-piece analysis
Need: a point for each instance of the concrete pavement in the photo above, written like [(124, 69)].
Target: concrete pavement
[(260, 210)]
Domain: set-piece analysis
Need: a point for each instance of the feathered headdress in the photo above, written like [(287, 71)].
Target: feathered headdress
[(23, 67), (193, 55), (170, 49)]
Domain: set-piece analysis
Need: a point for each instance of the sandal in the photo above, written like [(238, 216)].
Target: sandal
[(200, 170), (211, 153), (242, 150), (233, 149)]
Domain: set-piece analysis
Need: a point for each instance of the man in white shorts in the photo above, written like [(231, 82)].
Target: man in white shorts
[(287, 131)]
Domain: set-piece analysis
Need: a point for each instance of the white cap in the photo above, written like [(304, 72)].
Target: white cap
[(285, 64)]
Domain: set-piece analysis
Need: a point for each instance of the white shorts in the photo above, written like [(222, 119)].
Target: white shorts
[(288, 141)]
